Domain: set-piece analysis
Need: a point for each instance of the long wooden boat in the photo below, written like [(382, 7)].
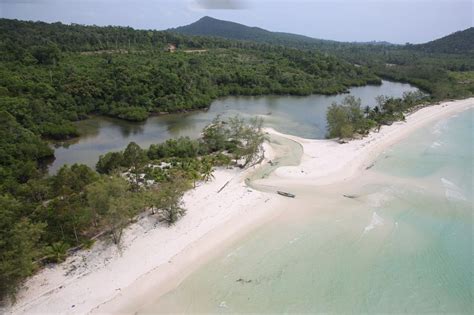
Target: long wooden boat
[(350, 196), (286, 194)]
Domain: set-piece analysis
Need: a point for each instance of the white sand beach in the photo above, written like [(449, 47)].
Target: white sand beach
[(327, 162), (92, 277), (156, 257)]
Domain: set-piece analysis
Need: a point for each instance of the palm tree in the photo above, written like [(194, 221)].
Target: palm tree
[(206, 170), (57, 252), (366, 111), (194, 175)]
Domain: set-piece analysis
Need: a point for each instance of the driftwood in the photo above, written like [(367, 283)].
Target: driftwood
[(223, 186), (258, 161), (243, 280)]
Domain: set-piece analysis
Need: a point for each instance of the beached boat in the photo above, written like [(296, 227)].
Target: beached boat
[(350, 196), (286, 194)]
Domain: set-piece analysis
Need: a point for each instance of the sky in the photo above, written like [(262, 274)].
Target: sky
[(396, 21)]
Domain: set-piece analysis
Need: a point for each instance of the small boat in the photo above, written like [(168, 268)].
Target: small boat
[(350, 196), (286, 194), (370, 166)]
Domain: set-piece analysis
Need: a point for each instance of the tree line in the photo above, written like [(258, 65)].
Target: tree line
[(348, 118), (52, 74)]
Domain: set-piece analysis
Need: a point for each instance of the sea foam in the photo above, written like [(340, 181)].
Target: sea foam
[(439, 127), (294, 240), (451, 191), (380, 198), (374, 222), (223, 304)]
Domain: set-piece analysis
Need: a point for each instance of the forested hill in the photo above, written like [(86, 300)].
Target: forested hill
[(70, 71), (444, 67), (459, 42), (208, 26), (16, 34)]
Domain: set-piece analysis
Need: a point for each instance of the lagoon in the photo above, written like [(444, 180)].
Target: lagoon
[(304, 116)]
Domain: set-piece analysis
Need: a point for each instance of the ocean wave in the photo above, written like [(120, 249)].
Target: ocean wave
[(223, 304), (451, 191), (440, 127), (293, 240), (234, 252), (380, 198), (435, 145), (374, 222)]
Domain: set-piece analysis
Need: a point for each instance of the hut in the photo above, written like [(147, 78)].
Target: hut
[(170, 48)]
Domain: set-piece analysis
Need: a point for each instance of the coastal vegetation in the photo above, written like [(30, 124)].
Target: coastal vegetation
[(44, 218), (349, 119)]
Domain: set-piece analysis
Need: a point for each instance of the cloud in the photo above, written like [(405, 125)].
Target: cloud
[(221, 4)]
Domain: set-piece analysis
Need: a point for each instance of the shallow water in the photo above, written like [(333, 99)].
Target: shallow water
[(403, 245), (301, 116), (287, 152)]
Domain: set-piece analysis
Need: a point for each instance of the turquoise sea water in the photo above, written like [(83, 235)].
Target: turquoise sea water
[(403, 245)]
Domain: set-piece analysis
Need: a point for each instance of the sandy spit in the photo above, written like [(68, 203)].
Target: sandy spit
[(156, 258), (327, 162)]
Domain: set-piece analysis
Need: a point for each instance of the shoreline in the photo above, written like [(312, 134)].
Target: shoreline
[(157, 259), (92, 277), (326, 162)]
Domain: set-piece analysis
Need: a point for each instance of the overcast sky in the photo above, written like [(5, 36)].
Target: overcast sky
[(396, 21)]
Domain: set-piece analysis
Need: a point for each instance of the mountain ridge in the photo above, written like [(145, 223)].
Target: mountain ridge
[(457, 42), (209, 26)]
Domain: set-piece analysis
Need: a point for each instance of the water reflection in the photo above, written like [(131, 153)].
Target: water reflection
[(303, 116)]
